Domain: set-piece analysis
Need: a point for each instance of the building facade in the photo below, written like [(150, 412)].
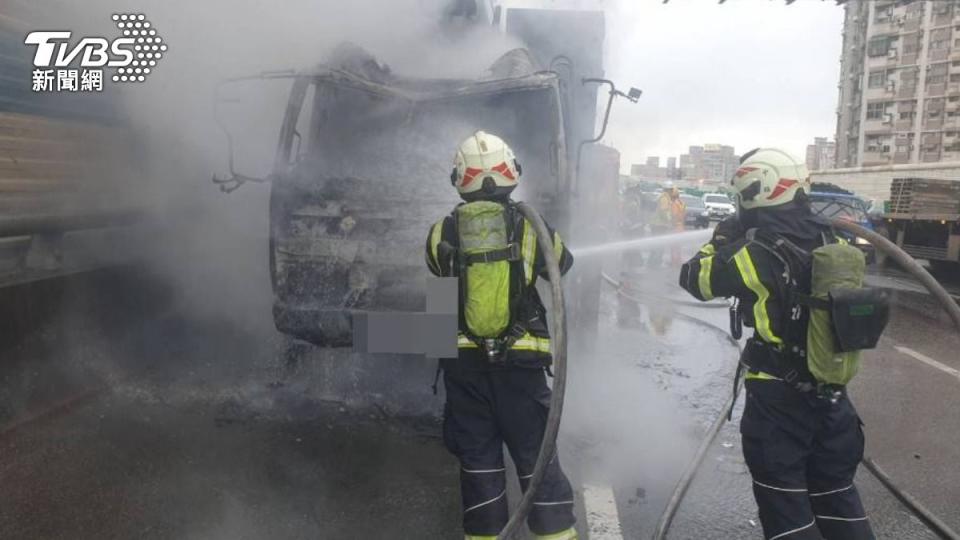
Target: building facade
[(651, 170), (821, 154), (899, 83), (710, 162)]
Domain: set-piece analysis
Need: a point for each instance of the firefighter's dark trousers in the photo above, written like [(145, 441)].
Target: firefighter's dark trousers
[(483, 411), (803, 453)]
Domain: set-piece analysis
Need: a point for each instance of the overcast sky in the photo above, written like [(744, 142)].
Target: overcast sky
[(746, 73)]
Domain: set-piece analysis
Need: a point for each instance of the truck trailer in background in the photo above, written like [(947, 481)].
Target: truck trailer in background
[(923, 218), (873, 183), (68, 170), (916, 206)]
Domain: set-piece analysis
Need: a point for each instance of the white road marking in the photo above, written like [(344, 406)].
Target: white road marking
[(927, 360), (603, 522)]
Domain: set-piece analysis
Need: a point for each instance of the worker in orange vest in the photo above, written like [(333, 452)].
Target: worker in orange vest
[(668, 218)]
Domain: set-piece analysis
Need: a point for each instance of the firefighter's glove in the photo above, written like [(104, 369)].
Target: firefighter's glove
[(727, 231)]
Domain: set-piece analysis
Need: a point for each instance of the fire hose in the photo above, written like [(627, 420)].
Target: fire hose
[(548, 447), (909, 264)]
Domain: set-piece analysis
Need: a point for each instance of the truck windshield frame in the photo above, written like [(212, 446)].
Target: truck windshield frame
[(417, 98)]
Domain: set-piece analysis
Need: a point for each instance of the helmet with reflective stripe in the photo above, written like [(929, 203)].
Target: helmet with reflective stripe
[(484, 166), (769, 177)]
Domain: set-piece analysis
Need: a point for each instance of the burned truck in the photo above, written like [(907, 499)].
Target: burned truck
[(353, 195), (364, 156), (354, 192)]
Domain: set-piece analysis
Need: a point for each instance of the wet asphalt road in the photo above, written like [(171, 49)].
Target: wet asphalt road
[(906, 394), (205, 430), (909, 407), (194, 441), (720, 505), (128, 469)]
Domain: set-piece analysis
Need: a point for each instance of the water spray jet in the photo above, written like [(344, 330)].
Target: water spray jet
[(648, 242)]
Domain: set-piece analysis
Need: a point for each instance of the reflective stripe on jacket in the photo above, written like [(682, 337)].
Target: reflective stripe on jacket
[(746, 271)]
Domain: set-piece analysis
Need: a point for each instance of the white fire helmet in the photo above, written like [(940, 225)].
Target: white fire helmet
[(769, 177), (484, 159)]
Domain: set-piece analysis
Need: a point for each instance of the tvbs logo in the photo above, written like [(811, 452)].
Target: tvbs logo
[(71, 67)]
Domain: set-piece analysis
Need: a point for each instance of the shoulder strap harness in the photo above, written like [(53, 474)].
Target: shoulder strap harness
[(793, 258), (495, 348)]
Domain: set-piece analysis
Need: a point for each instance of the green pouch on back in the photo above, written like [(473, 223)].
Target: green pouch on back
[(836, 268)]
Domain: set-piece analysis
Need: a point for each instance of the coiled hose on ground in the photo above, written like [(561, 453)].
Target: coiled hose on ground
[(909, 264), (548, 447)]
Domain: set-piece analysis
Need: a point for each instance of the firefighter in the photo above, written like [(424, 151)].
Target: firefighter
[(669, 217), (802, 439), (663, 217), (496, 389)]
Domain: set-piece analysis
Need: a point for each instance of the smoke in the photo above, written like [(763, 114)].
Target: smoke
[(644, 385), (213, 338), (642, 390), (199, 327), (222, 270), (213, 246), (626, 401)]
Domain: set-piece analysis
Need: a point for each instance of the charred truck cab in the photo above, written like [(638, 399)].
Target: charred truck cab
[(359, 176), (364, 153)]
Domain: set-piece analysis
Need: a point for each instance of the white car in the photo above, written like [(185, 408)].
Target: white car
[(718, 205)]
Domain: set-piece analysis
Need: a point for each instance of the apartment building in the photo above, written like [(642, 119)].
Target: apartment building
[(899, 83), (821, 154), (651, 170), (712, 162), (672, 171)]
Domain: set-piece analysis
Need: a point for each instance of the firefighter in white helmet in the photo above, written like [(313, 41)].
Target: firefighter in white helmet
[(801, 435), (496, 388), (484, 168)]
